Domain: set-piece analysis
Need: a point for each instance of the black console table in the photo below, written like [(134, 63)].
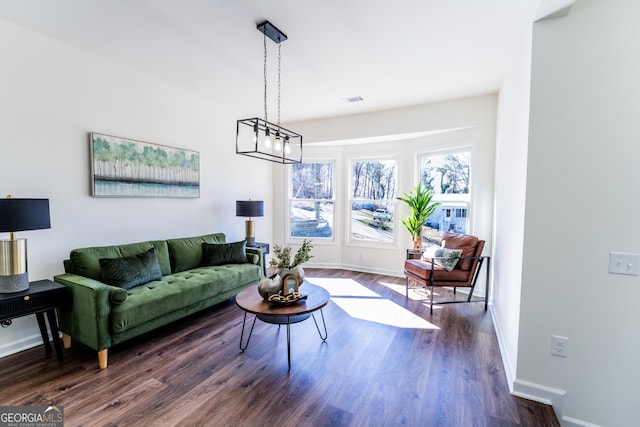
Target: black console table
[(42, 297), (265, 251)]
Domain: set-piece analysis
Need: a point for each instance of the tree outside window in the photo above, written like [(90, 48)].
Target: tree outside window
[(311, 200), (373, 190), (449, 176)]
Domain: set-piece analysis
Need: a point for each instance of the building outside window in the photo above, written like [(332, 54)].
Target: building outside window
[(448, 174), (311, 202), (372, 200)]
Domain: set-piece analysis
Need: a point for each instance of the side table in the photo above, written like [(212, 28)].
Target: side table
[(42, 297), (265, 251)]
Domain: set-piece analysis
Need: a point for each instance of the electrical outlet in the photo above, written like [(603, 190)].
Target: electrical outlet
[(559, 346), (622, 263)]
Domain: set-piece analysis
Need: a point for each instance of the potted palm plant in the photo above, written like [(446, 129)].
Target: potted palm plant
[(421, 205)]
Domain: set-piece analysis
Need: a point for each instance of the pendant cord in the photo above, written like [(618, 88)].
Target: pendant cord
[(279, 72), (265, 75)]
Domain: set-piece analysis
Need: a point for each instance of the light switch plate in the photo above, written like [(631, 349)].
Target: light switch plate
[(624, 263)]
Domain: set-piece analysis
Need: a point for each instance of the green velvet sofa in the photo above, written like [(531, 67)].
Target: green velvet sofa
[(101, 315)]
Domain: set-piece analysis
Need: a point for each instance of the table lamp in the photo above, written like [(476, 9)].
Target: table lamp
[(249, 208), (19, 215)]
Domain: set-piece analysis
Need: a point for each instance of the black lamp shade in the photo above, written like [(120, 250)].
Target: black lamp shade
[(250, 208), (24, 214)]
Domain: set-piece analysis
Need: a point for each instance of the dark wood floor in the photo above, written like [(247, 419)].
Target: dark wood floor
[(386, 362)]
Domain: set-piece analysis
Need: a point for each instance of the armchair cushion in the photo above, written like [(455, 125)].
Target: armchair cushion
[(422, 270), (464, 242)]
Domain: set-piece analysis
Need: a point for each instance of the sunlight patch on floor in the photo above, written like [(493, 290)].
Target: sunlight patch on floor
[(360, 302)]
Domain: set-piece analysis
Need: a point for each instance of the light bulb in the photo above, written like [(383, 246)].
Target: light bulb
[(267, 138), (287, 145), (278, 145), (255, 133)]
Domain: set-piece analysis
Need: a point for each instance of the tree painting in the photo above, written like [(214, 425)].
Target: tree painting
[(143, 169)]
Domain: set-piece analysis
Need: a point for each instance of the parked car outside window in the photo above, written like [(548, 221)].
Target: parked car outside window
[(382, 215)]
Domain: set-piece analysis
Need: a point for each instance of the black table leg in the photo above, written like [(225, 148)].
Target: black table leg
[(244, 347), (55, 335), (326, 334), (43, 332), (288, 344)]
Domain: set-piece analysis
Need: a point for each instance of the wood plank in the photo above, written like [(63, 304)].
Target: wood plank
[(369, 372)]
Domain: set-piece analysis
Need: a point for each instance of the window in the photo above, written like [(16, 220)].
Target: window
[(311, 200), (373, 191), (448, 174)]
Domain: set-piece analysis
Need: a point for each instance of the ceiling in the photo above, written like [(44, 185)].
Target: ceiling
[(393, 54)]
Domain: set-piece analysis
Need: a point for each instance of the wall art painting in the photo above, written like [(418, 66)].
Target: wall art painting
[(123, 167)]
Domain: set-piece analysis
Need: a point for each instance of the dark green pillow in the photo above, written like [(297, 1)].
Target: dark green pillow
[(223, 253), (129, 272)]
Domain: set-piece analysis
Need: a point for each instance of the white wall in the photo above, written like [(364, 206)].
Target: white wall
[(52, 95), (510, 183), (582, 202), (474, 120)]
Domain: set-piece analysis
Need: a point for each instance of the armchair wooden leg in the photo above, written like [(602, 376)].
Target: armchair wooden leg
[(102, 358), (66, 340)]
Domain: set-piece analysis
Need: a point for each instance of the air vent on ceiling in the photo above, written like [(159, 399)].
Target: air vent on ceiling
[(353, 99)]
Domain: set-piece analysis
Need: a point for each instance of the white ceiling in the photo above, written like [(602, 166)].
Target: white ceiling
[(393, 54)]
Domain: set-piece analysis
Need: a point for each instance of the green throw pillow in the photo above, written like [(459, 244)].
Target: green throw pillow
[(131, 271), (447, 258), (223, 253)]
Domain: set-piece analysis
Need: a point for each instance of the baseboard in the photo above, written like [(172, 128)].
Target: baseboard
[(506, 361), (20, 345)]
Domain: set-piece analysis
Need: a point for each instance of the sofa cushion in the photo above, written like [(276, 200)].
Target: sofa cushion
[(179, 291), (131, 271), (186, 253), (464, 242), (85, 261), (224, 253), (447, 258)]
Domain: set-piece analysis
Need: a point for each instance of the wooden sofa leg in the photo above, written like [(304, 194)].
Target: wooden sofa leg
[(66, 341), (102, 358)]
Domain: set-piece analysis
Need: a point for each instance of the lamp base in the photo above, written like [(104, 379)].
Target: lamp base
[(249, 232), (14, 283)]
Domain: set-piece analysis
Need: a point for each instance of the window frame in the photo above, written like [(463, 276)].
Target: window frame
[(289, 196), (455, 201), (349, 200)]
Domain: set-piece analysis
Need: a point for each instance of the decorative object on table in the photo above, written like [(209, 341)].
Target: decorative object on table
[(250, 209), (19, 215), (270, 286), (292, 298), (421, 206), (123, 167), (290, 284), (259, 138), (283, 264)]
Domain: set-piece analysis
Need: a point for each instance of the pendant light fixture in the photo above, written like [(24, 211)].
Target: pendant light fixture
[(259, 138)]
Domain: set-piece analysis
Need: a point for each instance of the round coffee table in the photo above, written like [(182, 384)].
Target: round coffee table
[(250, 301)]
